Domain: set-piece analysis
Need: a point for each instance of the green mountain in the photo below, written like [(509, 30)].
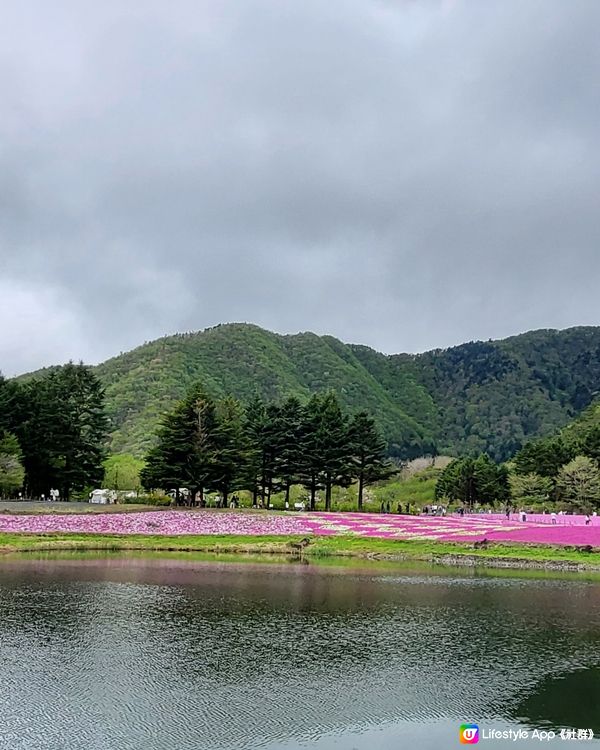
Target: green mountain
[(491, 396), (244, 360), (495, 396), (584, 430)]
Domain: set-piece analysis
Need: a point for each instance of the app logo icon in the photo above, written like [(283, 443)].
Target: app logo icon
[(469, 734)]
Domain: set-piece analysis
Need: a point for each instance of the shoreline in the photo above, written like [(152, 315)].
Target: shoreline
[(494, 555)]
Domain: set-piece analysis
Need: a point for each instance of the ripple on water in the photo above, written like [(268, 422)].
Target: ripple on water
[(237, 658)]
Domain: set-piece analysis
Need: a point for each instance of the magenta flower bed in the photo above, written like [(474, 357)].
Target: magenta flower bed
[(569, 530), (572, 531), (163, 523)]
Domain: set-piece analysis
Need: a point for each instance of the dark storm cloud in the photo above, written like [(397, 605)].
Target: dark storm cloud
[(405, 174)]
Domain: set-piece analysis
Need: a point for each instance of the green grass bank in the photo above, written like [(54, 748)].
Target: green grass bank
[(500, 555)]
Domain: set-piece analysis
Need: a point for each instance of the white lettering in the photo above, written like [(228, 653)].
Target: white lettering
[(543, 735), (513, 735)]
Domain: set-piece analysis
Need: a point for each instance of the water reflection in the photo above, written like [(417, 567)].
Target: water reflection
[(169, 654), (567, 700)]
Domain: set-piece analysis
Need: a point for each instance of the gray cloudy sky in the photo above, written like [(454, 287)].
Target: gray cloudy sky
[(402, 174)]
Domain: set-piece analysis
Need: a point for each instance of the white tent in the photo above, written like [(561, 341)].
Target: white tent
[(103, 497)]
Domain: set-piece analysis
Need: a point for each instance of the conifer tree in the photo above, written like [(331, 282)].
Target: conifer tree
[(335, 448), (11, 404), (310, 463), (229, 454), (254, 432), (186, 451), (63, 431), (473, 480), (325, 460), (288, 439), (368, 456)]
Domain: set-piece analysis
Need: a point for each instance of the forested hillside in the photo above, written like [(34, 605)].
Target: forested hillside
[(482, 396), (494, 396), (244, 360)]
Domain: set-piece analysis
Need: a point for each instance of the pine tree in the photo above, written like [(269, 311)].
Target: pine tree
[(470, 481), (11, 404), (335, 447), (254, 434), (35, 433), (310, 463), (544, 457), (457, 482), (229, 448), (368, 454), (288, 444), (186, 451), (491, 480), (326, 454), (64, 430)]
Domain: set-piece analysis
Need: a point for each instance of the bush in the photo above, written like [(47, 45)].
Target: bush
[(157, 499)]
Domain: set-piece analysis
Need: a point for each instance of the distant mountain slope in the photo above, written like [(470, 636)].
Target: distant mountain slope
[(244, 360), (495, 395), (489, 396)]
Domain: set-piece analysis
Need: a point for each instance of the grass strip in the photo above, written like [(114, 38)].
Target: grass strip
[(498, 554)]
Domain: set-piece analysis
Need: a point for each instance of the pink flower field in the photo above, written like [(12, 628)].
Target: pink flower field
[(459, 529), (570, 530)]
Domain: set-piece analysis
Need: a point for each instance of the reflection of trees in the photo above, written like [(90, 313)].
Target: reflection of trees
[(568, 700), (36, 606), (259, 642)]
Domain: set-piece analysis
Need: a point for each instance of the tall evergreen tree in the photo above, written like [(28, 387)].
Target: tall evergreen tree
[(336, 450), (11, 404), (256, 464), (310, 463), (326, 453), (368, 454), (473, 480), (491, 480), (64, 430), (262, 433), (288, 444), (544, 457), (271, 446), (35, 433), (186, 451), (229, 446)]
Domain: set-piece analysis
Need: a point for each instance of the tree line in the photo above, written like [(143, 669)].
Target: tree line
[(53, 432), (473, 481), (554, 469), (208, 445), (563, 468)]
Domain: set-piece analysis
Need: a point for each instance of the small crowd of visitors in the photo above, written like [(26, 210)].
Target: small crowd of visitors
[(434, 510), (554, 516), (386, 507)]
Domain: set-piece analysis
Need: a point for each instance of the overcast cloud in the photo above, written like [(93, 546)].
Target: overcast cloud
[(402, 174)]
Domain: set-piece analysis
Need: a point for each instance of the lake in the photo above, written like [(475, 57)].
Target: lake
[(182, 653)]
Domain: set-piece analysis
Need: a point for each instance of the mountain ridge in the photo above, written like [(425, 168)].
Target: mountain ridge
[(482, 395)]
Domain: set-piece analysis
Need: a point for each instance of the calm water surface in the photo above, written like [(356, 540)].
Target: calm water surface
[(178, 654)]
